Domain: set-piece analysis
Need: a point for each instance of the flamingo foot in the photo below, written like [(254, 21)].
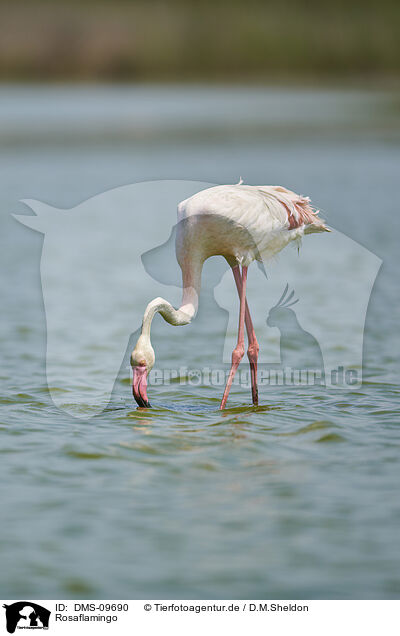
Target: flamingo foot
[(252, 354), (237, 356)]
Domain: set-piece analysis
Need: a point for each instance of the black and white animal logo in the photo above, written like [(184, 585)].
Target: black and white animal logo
[(26, 615)]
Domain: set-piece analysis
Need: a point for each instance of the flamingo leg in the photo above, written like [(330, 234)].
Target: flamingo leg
[(253, 347), (238, 351)]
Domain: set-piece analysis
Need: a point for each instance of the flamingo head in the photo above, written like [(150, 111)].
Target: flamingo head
[(142, 361)]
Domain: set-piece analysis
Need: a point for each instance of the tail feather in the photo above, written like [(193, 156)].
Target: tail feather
[(300, 211)]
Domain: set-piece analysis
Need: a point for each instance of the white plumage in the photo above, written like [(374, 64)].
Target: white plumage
[(242, 223), (250, 222)]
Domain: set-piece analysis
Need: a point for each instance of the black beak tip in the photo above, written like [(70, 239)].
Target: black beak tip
[(141, 402)]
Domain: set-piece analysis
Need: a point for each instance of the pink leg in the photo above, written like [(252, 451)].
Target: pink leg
[(253, 348), (238, 352)]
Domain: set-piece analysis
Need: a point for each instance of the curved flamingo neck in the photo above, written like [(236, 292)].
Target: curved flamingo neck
[(191, 278)]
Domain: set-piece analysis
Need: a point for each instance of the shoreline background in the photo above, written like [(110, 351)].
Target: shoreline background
[(293, 41)]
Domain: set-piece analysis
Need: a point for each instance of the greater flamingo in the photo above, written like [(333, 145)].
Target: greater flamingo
[(242, 223)]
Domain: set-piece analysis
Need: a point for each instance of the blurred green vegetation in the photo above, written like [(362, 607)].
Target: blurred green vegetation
[(198, 40)]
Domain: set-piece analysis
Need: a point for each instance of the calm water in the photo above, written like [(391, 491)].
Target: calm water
[(295, 499)]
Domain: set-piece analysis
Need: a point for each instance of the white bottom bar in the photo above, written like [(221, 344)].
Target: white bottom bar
[(180, 617)]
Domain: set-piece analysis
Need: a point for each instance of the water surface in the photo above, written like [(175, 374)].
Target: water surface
[(297, 498)]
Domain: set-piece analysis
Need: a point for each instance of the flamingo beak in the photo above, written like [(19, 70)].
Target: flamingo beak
[(139, 386)]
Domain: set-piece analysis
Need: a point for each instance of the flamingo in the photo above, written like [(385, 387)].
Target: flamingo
[(242, 223)]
